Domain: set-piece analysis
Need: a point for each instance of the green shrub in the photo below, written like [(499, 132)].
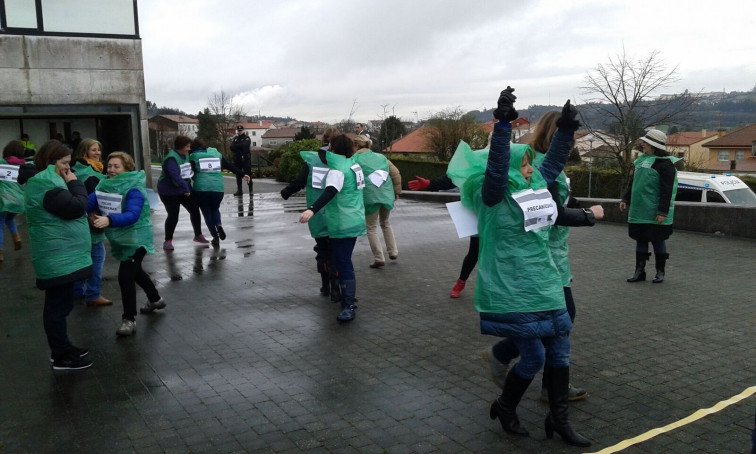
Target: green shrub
[(291, 162)]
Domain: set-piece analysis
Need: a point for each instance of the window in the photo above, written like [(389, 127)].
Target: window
[(21, 14), (740, 154), (254, 133), (714, 197), (688, 194), (274, 142), (254, 144), (70, 17), (723, 156)]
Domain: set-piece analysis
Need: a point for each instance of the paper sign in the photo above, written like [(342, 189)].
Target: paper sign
[(465, 220), (378, 177), (109, 203)]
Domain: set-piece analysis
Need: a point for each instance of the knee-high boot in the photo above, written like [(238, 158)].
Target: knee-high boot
[(661, 261), (505, 407), (335, 287), (556, 421), (325, 282), (640, 266), (348, 291)]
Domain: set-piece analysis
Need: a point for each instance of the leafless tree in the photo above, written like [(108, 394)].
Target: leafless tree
[(624, 91), (446, 128), (227, 114)]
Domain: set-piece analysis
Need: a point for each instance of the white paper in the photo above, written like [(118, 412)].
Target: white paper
[(378, 177), (8, 173), (209, 165), (109, 203), (186, 171), (359, 176), (465, 220)]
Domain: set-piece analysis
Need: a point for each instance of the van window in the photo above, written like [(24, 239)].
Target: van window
[(688, 195), (714, 197)]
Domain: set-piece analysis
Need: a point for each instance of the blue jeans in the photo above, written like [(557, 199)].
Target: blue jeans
[(209, 204), (7, 219), (533, 353), (92, 291), (341, 257)]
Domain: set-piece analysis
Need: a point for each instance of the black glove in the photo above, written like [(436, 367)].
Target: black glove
[(568, 120), (505, 111), (285, 193)]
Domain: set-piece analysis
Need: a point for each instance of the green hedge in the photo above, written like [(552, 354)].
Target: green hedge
[(291, 162), (411, 167)]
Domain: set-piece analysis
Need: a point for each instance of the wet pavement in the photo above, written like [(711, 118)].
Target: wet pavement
[(248, 357)]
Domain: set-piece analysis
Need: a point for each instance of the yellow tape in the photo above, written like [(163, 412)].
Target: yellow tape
[(748, 392)]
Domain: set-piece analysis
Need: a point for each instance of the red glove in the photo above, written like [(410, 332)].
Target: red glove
[(420, 184)]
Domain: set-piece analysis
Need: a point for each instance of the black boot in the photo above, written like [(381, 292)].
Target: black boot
[(640, 266), (325, 284), (505, 407), (556, 421), (238, 192), (249, 185), (348, 290), (661, 260), (335, 290)]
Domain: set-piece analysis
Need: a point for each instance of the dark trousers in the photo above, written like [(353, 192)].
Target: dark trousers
[(172, 204), (471, 259), (209, 204), (660, 247), (244, 162), (58, 304), (131, 274), (341, 257)]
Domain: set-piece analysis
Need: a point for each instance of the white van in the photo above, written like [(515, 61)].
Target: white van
[(710, 188)]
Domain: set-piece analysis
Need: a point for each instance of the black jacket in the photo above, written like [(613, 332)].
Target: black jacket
[(240, 145)]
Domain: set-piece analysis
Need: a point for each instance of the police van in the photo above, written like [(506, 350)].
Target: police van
[(710, 188)]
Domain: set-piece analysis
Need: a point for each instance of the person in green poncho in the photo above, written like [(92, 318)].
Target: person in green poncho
[(518, 291), (56, 204), (651, 200), (383, 184), (11, 192), (345, 217), (119, 205)]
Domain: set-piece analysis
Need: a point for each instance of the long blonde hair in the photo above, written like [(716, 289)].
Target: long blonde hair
[(544, 131), (83, 148)]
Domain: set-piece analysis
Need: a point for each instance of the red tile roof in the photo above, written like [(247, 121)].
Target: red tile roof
[(266, 124), (741, 138), (178, 118), (688, 138), (413, 142)]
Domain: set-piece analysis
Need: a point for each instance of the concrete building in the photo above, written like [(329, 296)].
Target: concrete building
[(72, 66)]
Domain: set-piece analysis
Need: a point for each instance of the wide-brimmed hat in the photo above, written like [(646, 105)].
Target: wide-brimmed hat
[(656, 139)]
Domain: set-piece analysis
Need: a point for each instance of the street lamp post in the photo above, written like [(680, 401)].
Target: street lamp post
[(590, 167)]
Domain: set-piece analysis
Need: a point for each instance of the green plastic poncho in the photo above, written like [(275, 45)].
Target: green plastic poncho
[(59, 247), (11, 193), (184, 167), (379, 192), (515, 270), (346, 212), (559, 234), (316, 178), (644, 201), (83, 173), (111, 198), (207, 175)]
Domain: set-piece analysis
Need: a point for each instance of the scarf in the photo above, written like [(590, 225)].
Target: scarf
[(96, 165)]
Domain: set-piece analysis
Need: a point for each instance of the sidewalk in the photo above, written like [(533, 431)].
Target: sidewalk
[(247, 357)]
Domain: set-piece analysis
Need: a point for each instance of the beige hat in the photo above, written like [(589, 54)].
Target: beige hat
[(656, 139)]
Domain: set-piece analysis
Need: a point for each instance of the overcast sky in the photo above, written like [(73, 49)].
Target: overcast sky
[(311, 59)]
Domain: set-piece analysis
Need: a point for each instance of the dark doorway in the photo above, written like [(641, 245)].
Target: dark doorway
[(115, 134)]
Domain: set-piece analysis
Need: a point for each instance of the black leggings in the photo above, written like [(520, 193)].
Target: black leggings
[(471, 259), (172, 204), (131, 274)]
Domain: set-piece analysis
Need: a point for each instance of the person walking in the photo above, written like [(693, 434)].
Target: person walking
[(312, 178), (383, 184), (11, 193), (651, 202), (519, 292), (240, 148), (119, 205), (207, 164), (56, 203), (345, 217), (175, 191), (89, 170)]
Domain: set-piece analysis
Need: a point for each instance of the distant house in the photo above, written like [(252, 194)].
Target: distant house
[(735, 151), (164, 129), (275, 138), (415, 143), (689, 146)]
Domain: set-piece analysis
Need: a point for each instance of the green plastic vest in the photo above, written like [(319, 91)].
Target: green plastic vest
[(318, 224), (179, 161), (11, 193), (207, 170), (374, 196), (83, 173), (644, 203), (346, 212), (58, 247), (559, 234), (516, 272), (124, 241)]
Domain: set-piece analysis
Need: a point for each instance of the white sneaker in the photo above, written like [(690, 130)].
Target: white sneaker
[(127, 328), (149, 307)]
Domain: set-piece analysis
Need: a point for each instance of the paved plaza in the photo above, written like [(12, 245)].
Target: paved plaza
[(248, 357)]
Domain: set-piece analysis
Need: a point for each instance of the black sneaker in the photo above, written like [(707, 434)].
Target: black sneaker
[(221, 232), (71, 362), (76, 351)]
